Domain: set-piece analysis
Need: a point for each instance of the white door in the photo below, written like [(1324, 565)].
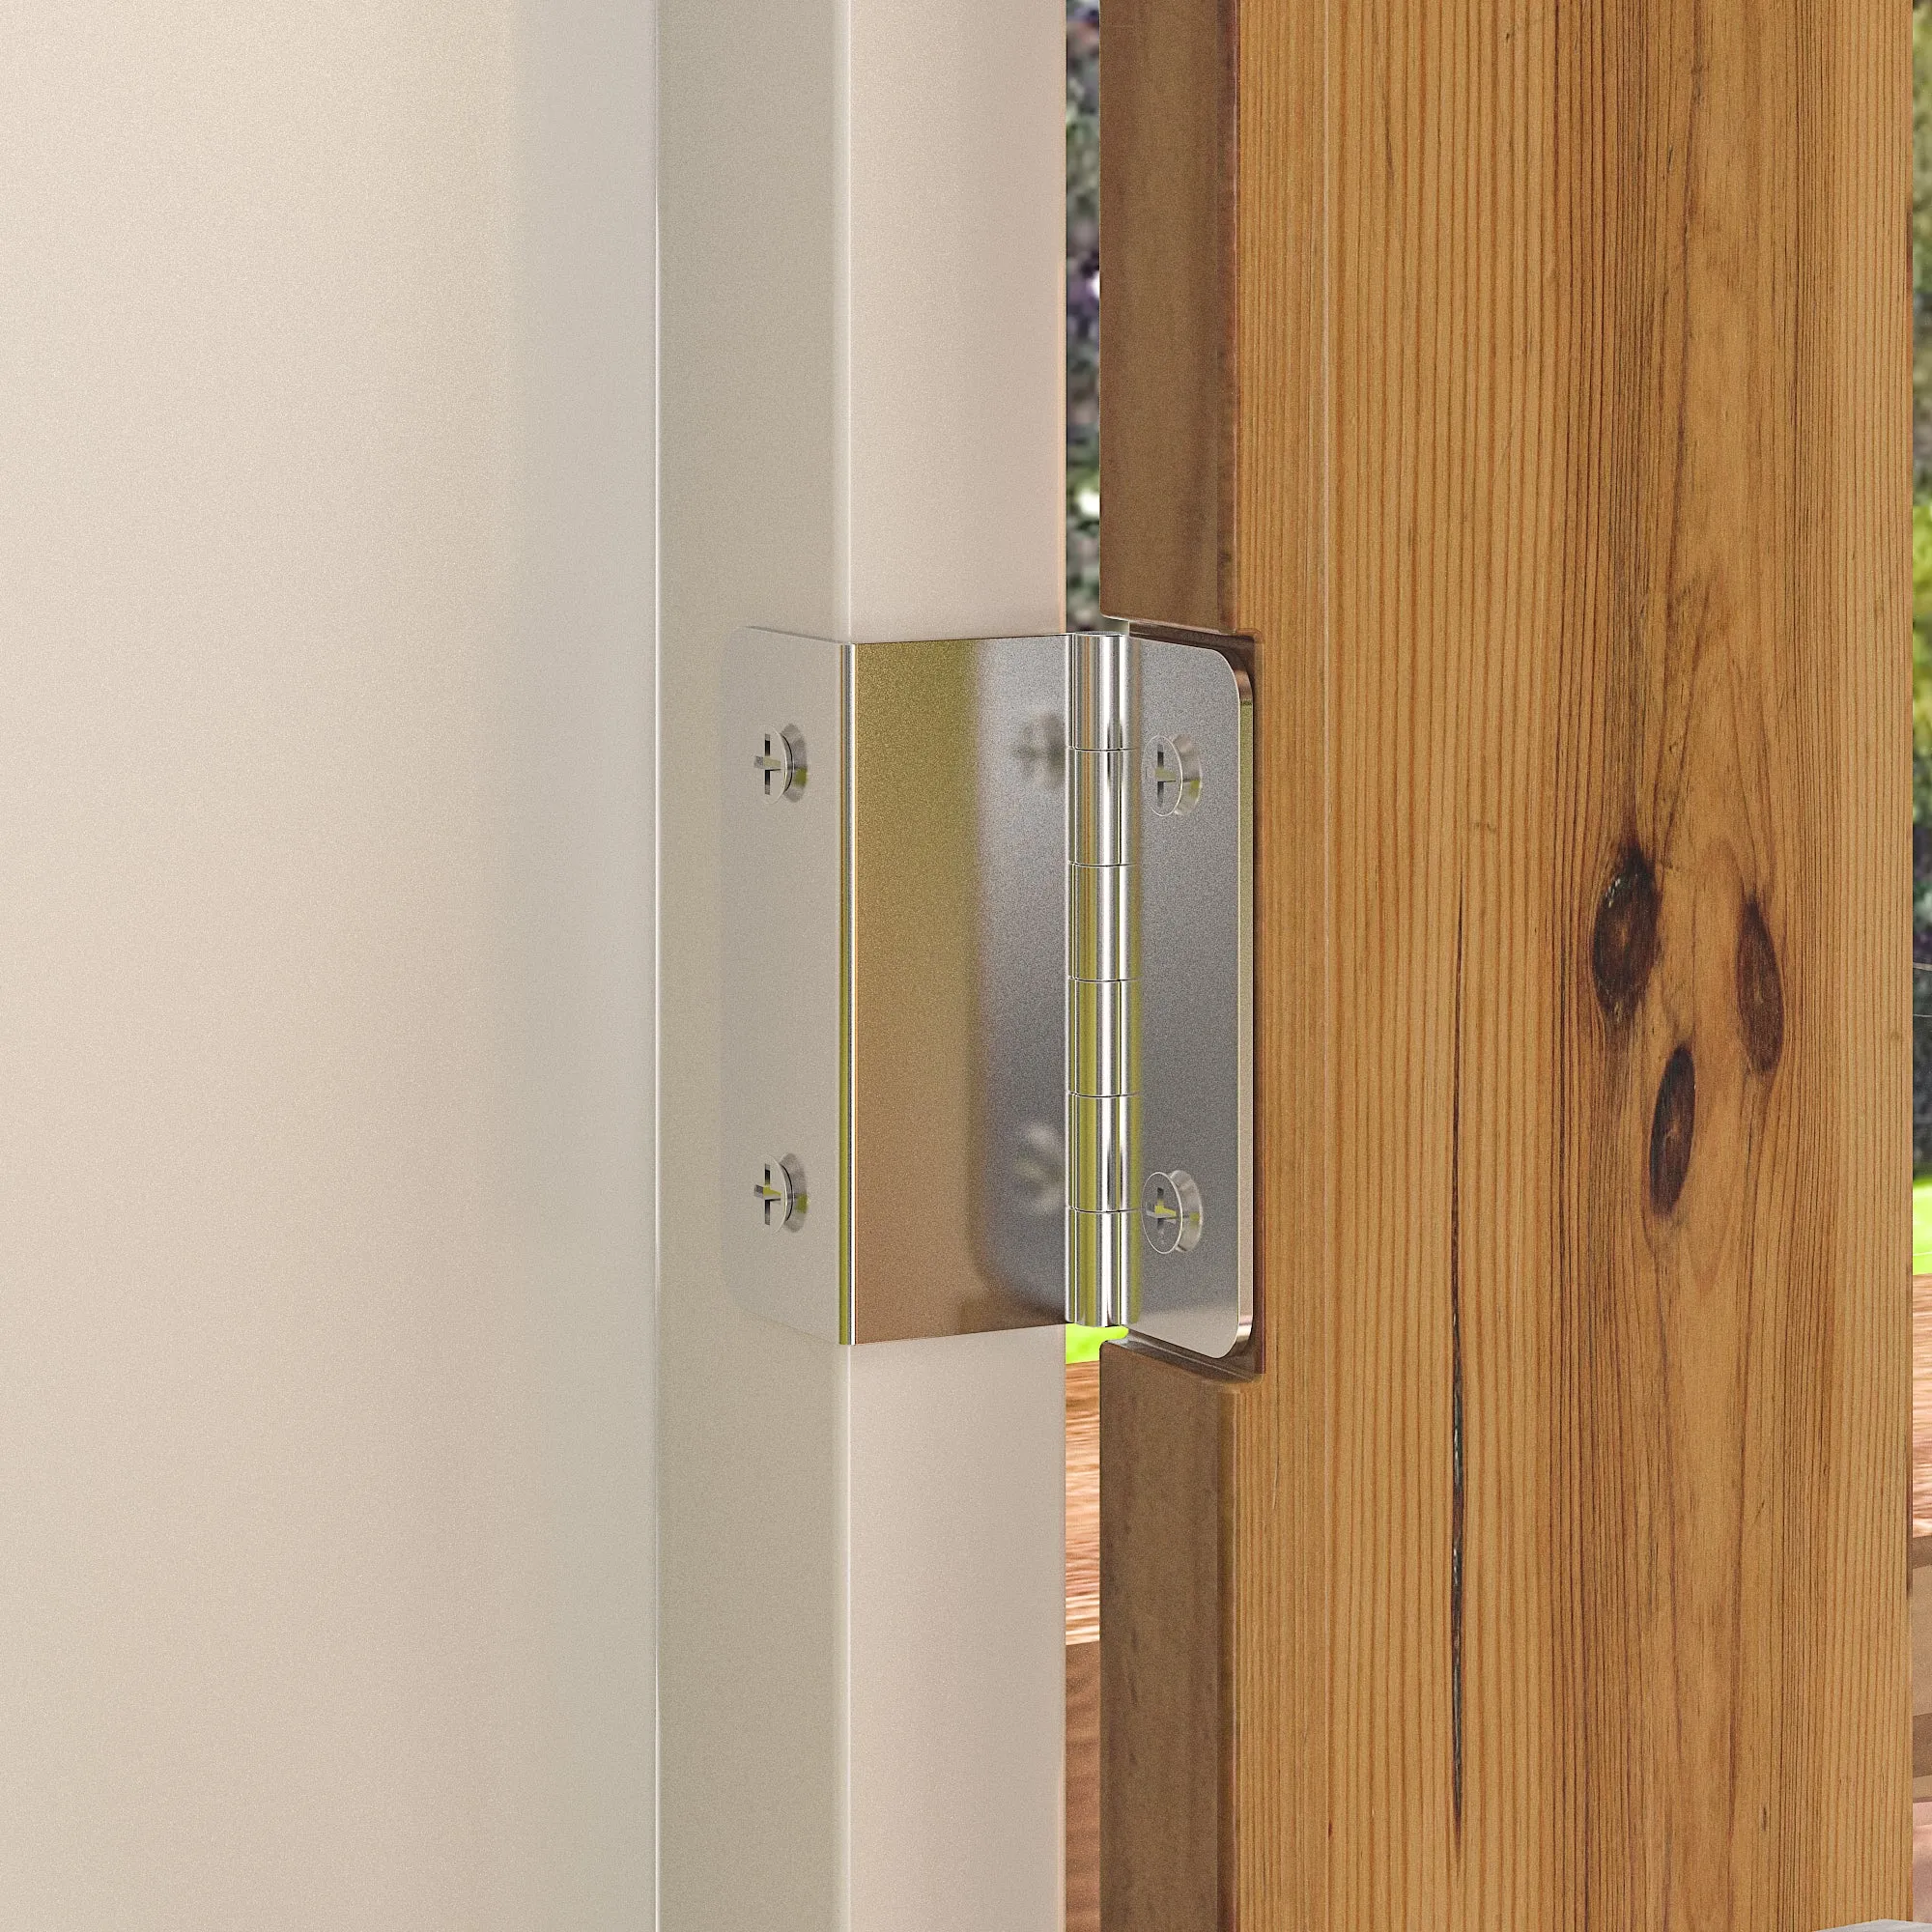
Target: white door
[(862, 1584), (326, 1059)]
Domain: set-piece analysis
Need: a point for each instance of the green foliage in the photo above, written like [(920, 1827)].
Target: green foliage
[(1083, 1345), (1921, 583), (1083, 312), (1922, 249)]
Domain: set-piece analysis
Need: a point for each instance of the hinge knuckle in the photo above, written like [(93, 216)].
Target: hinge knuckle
[(1103, 1174)]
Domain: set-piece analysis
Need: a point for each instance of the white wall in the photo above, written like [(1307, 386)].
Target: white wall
[(325, 1062), (863, 1594)]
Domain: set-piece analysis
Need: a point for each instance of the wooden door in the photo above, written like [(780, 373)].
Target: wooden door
[(1532, 383)]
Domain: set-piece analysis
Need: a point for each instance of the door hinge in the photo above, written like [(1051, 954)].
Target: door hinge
[(988, 985)]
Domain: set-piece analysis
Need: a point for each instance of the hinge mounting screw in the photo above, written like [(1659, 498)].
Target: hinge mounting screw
[(781, 763), (780, 1193), (1171, 1212), (1174, 766)]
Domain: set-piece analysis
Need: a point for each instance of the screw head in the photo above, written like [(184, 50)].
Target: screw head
[(779, 1192), (1171, 1212), (1173, 775), (781, 763)]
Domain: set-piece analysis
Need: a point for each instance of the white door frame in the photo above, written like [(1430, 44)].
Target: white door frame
[(862, 1581)]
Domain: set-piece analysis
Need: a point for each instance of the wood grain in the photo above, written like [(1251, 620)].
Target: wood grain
[(1922, 1428), (1083, 1647), (1083, 1503), (1163, 1769), (1083, 1786), (1166, 203), (1563, 458)]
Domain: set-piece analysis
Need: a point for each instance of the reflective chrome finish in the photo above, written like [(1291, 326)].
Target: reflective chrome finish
[(1105, 1133), (1018, 1088), (781, 1192), (1104, 905), (1103, 669), (781, 763), (987, 981), (1171, 1212), (894, 983), (1103, 1086), (1173, 775), (1102, 1248), (1103, 807), (1197, 988), (1103, 1018)]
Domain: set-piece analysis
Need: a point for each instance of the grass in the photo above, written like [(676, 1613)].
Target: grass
[(1083, 1344)]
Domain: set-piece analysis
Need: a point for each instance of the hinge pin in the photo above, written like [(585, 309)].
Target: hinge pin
[(1103, 991)]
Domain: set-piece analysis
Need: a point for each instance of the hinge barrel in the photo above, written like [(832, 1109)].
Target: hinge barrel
[(1103, 978)]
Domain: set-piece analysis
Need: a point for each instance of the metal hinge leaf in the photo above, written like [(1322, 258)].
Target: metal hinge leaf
[(987, 984)]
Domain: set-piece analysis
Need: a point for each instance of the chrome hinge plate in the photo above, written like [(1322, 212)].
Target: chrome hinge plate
[(903, 964)]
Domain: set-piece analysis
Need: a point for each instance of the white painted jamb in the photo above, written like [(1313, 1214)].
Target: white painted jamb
[(862, 1581)]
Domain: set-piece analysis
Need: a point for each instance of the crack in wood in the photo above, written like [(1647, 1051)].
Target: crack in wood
[(1457, 1504)]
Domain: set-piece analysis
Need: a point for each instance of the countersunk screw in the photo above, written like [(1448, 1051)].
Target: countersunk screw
[(780, 1193), (1174, 766), (1171, 1212), (782, 762)]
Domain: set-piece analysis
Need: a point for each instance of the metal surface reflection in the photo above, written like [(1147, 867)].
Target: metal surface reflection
[(982, 942)]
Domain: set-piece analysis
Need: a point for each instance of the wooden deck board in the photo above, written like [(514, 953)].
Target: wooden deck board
[(1083, 1649)]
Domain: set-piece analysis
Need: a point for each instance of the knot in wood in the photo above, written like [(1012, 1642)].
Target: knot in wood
[(1670, 1130), (1624, 946), (1760, 991)]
